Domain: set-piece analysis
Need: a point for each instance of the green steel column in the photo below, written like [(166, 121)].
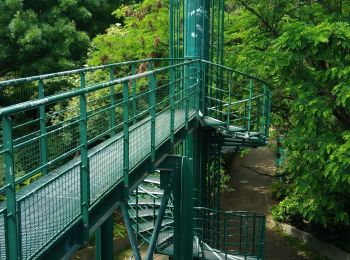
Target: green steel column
[(171, 29), (152, 106), (269, 94), (172, 107), (43, 130), (250, 105), (126, 137), (183, 212), (133, 83), (98, 244), (104, 240), (84, 171), (112, 114), (12, 239), (263, 113)]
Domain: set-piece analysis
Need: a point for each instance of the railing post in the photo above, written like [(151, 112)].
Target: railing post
[(172, 106), (229, 101), (112, 93), (258, 102), (268, 113), (186, 94), (12, 238), (133, 84), (263, 121), (250, 105), (126, 136), (85, 173), (152, 106), (225, 234), (43, 130)]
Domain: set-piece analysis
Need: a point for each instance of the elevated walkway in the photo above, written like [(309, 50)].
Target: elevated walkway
[(75, 156)]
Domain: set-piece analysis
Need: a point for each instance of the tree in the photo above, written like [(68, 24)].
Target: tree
[(302, 47), (47, 36)]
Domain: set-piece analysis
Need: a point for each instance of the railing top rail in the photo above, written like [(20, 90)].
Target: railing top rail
[(236, 71), (75, 71), (27, 105), (248, 213)]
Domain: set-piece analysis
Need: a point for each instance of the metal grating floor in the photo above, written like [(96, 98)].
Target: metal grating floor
[(51, 204)]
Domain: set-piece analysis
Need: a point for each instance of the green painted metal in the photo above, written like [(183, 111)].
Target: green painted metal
[(84, 176), (87, 173), (126, 149), (104, 240), (43, 130), (131, 235), (98, 244), (157, 224), (133, 84), (112, 101), (152, 108), (12, 239)]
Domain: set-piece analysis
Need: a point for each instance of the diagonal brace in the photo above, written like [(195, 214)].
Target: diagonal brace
[(158, 224), (131, 234)]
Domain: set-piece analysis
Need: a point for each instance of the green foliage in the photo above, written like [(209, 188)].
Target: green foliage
[(47, 36), (278, 190), (143, 34), (302, 47)]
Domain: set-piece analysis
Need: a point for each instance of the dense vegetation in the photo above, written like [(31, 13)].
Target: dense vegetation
[(302, 47), (46, 36)]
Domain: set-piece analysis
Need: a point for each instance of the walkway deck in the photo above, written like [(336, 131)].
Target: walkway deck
[(48, 206)]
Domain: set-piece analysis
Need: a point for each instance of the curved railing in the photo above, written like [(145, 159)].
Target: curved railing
[(230, 233)]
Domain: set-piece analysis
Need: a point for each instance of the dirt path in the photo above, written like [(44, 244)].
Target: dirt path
[(249, 178)]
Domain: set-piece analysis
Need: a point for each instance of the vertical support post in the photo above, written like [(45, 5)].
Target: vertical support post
[(43, 130), (133, 83), (229, 101), (112, 93), (183, 212), (104, 247), (172, 107), (98, 244), (126, 137), (225, 234), (268, 114), (12, 238), (250, 105), (171, 30), (263, 114), (152, 107), (84, 171)]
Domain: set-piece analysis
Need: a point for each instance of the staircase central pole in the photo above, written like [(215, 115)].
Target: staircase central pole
[(196, 46)]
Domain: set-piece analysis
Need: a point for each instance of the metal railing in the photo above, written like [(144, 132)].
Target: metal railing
[(230, 233), (77, 144), (75, 134)]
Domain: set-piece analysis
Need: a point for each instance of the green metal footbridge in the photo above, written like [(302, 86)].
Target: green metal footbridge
[(145, 137)]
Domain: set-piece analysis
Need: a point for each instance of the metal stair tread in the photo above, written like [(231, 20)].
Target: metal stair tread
[(146, 212), (149, 190), (153, 179), (146, 226), (212, 122)]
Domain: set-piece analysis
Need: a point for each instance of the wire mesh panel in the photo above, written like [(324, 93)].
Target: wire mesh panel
[(47, 210), (140, 143), (2, 233), (106, 168)]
